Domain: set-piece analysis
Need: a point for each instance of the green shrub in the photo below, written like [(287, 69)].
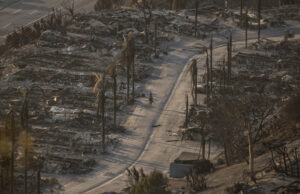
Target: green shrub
[(154, 183)]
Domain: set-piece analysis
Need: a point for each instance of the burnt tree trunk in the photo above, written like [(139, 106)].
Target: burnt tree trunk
[(203, 145), (259, 18), (38, 181), (2, 180), (207, 79), (211, 64), (186, 111), (226, 155), (12, 155), (155, 39), (208, 154), (196, 18), (195, 84), (251, 157), (241, 12), (25, 126), (128, 81), (246, 27), (229, 56), (115, 95)]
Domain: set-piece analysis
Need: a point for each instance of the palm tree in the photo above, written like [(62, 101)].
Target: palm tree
[(99, 90), (112, 72)]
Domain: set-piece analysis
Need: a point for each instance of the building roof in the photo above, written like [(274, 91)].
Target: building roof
[(187, 157)]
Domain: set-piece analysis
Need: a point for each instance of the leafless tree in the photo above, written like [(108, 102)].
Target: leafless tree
[(69, 6), (146, 7), (251, 113)]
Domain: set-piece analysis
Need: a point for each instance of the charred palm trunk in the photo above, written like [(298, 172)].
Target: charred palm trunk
[(146, 28), (246, 26), (207, 79), (241, 12), (229, 56), (115, 96), (103, 119), (195, 84), (38, 179), (224, 74), (208, 155), (12, 155), (226, 155), (203, 145), (259, 18), (24, 122), (251, 157), (196, 18), (128, 81), (2, 179), (211, 64), (155, 39), (186, 111), (132, 77)]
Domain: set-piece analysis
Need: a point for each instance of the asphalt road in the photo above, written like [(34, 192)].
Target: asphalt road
[(17, 13)]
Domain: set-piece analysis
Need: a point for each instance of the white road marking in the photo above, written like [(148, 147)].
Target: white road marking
[(6, 25), (17, 11), (33, 12)]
